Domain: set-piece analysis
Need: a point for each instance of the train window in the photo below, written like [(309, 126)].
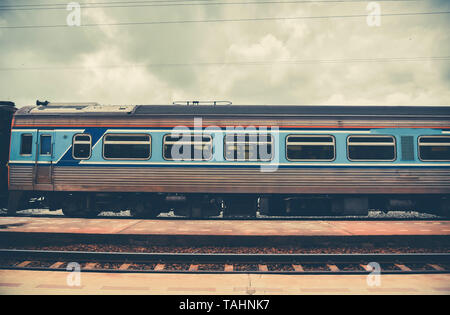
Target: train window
[(371, 148), (81, 146), (434, 148), (187, 147), (46, 145), (248, 147), (127, 147), (26, 143), (310, 148)]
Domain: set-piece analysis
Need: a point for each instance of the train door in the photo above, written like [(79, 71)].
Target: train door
[(43, 167)]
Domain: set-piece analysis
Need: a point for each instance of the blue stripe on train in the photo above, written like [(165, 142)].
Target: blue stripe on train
[(96, 134)]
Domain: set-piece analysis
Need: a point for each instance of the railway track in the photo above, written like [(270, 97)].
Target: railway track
[(126, 262), (258, 218)]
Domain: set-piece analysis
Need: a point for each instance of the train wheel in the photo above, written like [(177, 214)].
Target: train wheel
[(277, 206), (144, 210), (272, 206), (240, 206), (196, 209), (445, 208), (14, 200), (79, 207), (147, 208), (202, 207), (211, 207)]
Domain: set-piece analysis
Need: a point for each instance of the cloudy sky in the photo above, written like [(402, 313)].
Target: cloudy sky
[(339, 60)]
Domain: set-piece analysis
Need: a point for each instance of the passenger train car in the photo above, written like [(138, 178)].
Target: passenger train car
[(6, 113), (203, 159)]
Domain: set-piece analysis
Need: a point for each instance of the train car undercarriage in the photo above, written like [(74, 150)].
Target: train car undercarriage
[(150, 205)]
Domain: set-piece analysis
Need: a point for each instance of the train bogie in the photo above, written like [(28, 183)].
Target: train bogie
[(242, 205)]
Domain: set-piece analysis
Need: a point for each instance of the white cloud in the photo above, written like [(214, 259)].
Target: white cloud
[(379, 83), (267, 48), (119, 81)]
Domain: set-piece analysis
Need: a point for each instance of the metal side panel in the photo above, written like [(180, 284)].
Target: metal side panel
[(21, 177), (226, 180)]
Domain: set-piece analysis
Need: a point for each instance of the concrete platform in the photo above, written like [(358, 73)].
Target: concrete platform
[(223, 227), (47, 282)]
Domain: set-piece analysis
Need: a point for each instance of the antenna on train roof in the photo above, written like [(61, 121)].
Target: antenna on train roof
[(214, 103)]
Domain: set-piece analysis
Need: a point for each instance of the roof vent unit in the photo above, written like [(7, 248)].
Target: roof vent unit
[(67, 108), (47, 103)]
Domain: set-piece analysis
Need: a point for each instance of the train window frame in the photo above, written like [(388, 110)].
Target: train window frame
[(40, 144), (372, 136), (272, 142), (105, 142), (190, 134), (312, 136), (21, 144), (419, 145), (74, 142)]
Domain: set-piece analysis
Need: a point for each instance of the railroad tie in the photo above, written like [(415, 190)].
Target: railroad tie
[(90, 266), (24, 264), (57, 265), (124, 266), (436, 267), (298, 268), (402, 267), (159, 267), (333, 268)]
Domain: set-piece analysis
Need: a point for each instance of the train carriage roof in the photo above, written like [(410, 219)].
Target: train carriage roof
[(237, 110), (280, 110)]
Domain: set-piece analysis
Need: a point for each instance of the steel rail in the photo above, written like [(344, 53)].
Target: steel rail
[(205, 258), (263, 259)]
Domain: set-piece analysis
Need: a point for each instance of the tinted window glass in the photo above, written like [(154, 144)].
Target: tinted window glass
[(375, 148), (82, 146), (26, 144), (46, 145), (123, 147), (187, 147), (83, 138), (310, 148), (248, 147), (434, 148)]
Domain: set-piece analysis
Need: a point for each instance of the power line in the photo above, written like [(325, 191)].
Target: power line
[(223, 20), (122, 4), (104, 2), (237, 63)]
